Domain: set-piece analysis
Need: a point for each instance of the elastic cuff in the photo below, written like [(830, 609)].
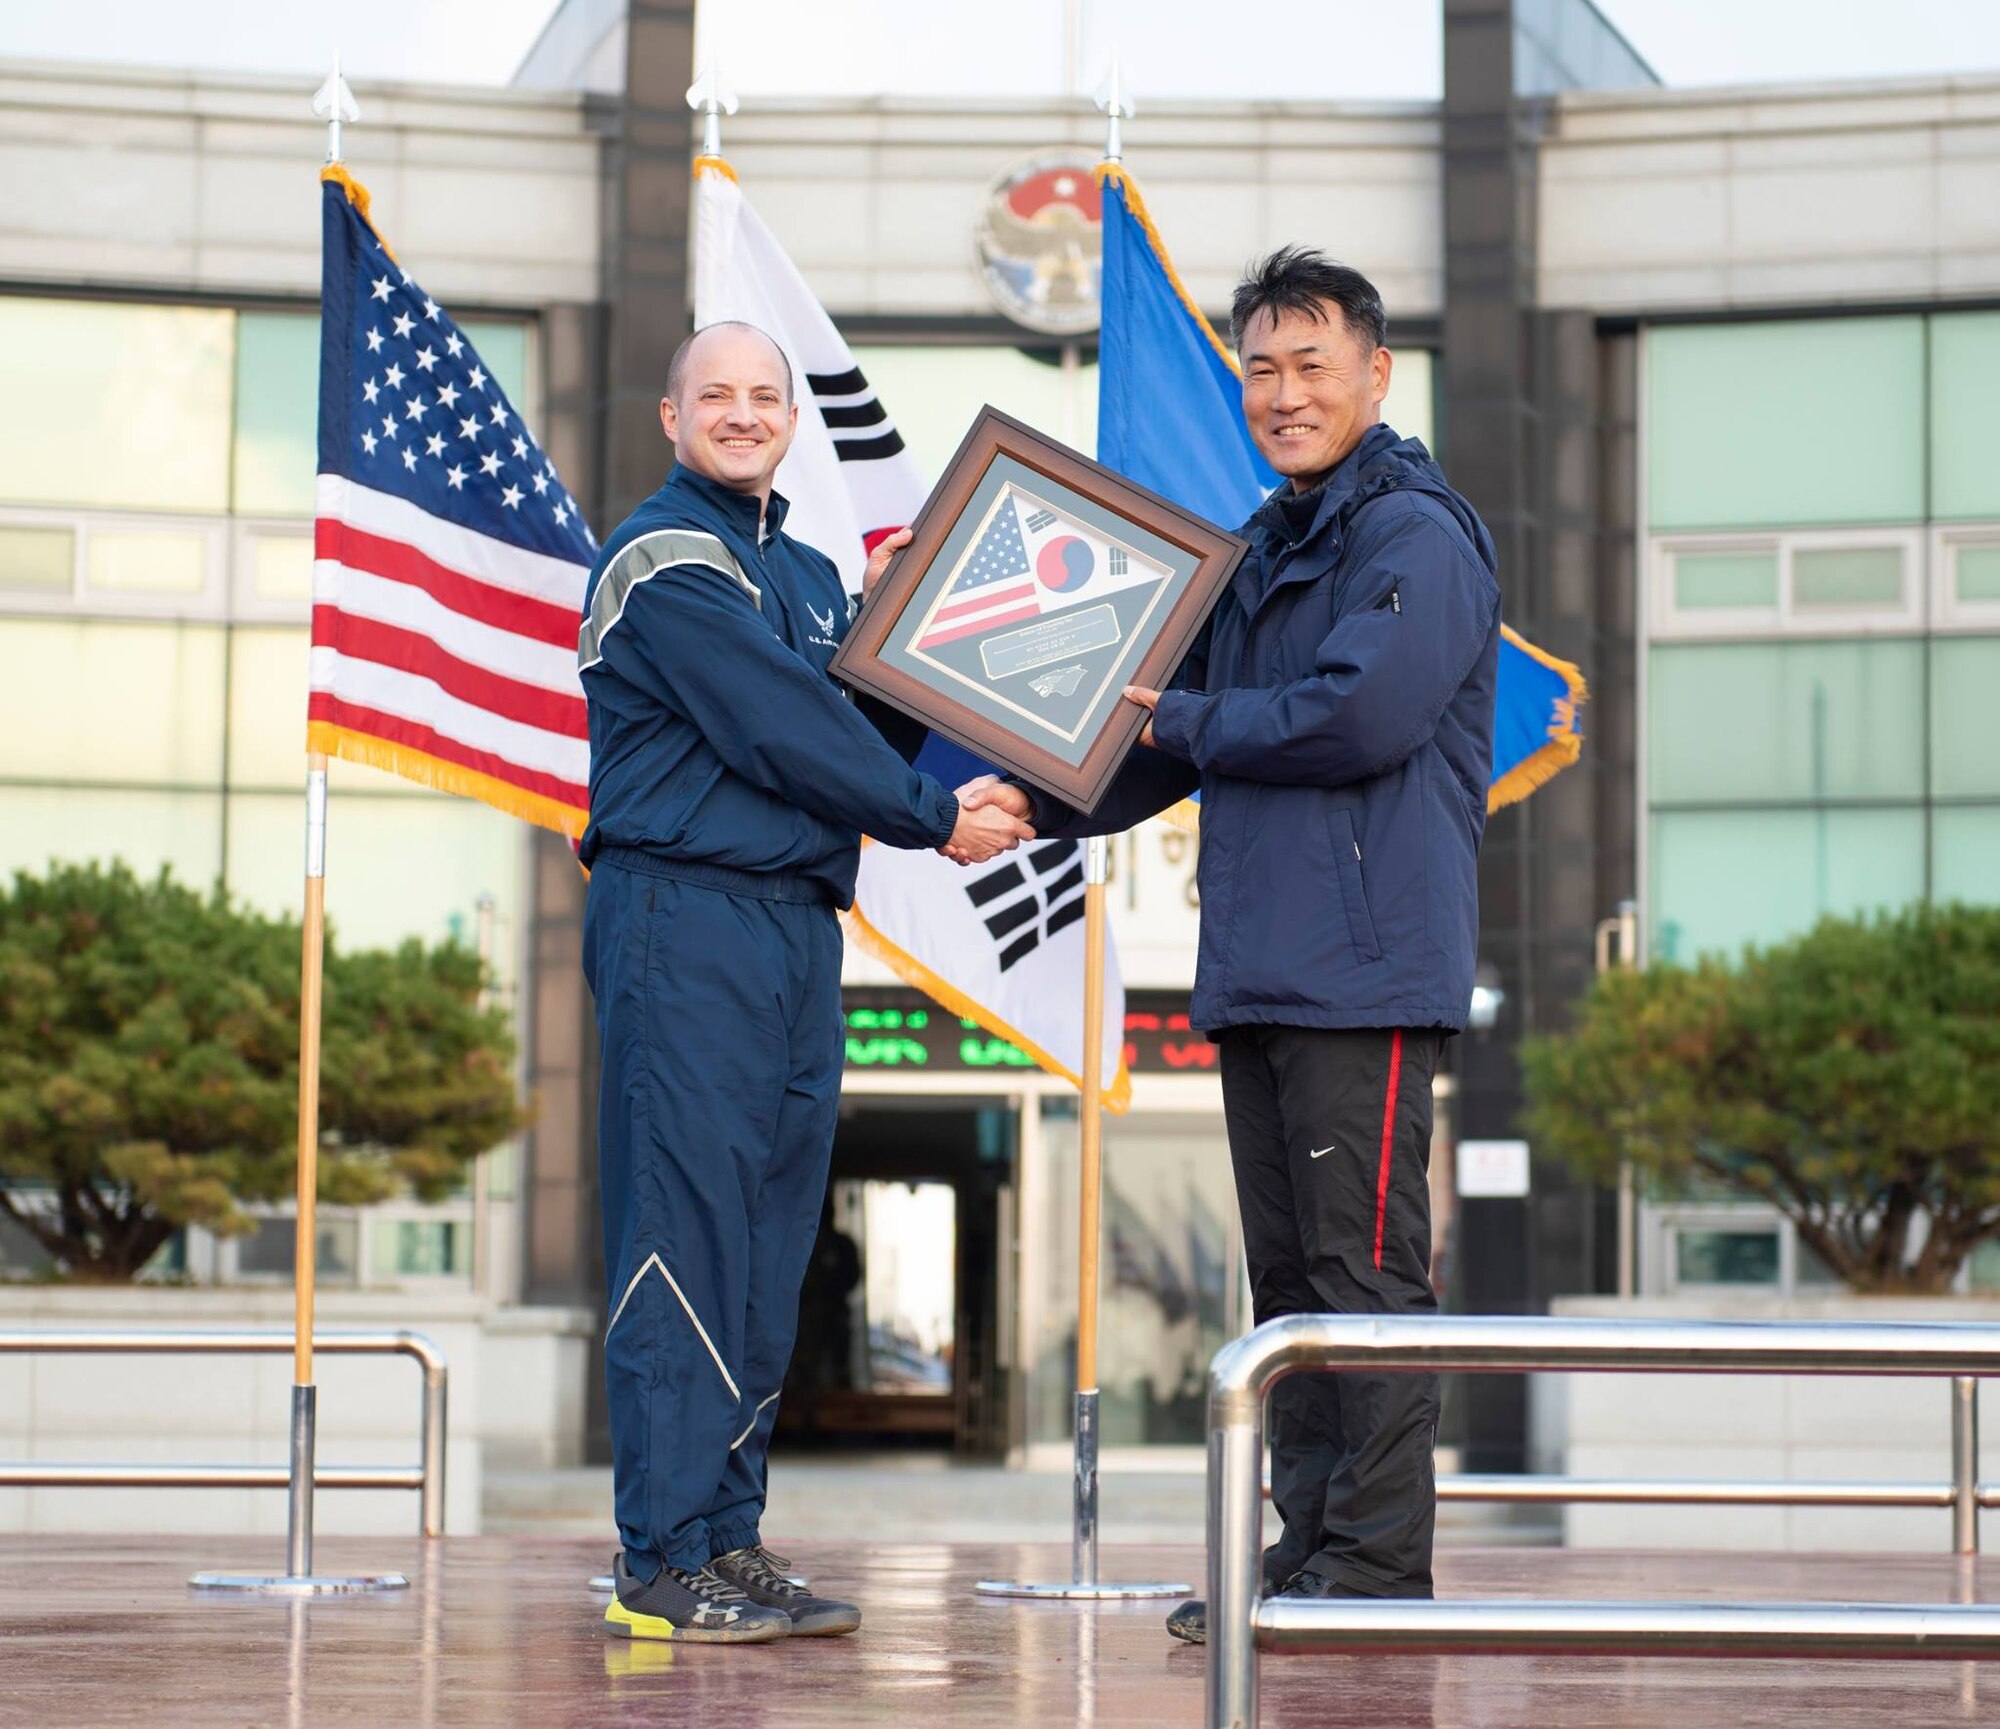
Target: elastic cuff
[(731, 1538), (1171, 720), (691, 1558), (947, 815)]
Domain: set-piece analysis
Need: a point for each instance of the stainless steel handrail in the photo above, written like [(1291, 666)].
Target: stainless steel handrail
[(427, 1476), (1239, 1625)]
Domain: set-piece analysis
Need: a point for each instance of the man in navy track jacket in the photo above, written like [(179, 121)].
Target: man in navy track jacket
[(730, 778), (1336, 714)]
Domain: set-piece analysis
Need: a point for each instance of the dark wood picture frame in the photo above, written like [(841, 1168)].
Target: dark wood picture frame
[(857, 662)]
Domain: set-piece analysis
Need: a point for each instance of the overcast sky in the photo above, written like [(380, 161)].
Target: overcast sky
[(1385, 49)]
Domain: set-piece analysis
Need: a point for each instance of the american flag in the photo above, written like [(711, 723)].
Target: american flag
[(996, 587), (449, 559)]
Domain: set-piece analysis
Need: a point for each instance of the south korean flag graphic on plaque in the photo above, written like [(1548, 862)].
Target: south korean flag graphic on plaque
[(1040, 611)]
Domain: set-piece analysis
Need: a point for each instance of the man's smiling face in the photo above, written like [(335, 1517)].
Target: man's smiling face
[(1311, 388), (732, 417)]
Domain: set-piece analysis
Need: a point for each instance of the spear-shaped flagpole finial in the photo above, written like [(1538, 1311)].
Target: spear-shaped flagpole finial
[(333, 102), (711, 98), (1117, 105)]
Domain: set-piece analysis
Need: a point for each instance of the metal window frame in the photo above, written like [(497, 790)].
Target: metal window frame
[(1949, 614), (1670, 622)]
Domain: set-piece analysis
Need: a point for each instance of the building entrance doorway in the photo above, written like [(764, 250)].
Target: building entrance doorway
[(900, 1318)]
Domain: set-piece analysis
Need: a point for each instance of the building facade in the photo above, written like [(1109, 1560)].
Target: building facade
[(1720, 368)]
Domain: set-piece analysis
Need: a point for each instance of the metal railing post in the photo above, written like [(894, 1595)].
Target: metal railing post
[(1235, 1529), (427, 1477), (433, 1445), (1965, 1465), (1243, 1372)]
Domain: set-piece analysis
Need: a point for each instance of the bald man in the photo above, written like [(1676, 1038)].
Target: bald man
[(730, 780)]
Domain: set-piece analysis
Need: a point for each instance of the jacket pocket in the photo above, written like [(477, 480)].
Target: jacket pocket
[(1353, 887)]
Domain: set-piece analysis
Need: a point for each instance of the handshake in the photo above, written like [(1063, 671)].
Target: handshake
[(992, 819)]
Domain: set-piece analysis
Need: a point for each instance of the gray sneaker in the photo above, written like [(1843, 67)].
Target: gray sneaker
[(697, 1608), (766, 1579)]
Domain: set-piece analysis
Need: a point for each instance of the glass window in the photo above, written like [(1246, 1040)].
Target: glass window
[(503, 347), (1726, 579), (116, 405), (1965, 854), (1965, 716), (1965, 415), (1978, 574), (395, 867), (268, 1249), (146, 560), (1860, 578), (152, 713), (281, 567), (1171, 1271), (267, 708), (277, 413), (421, 1248), (1749, 722), (1721, 879), (1410, 406), (1801, 422), (1711, 1257), (78, 825), (932, 395), (37, 560)]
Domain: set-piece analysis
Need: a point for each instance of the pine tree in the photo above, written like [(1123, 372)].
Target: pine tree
[(149, 1040), (1849, 1077)]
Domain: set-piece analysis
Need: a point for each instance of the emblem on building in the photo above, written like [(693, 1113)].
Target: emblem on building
[(1041, 242)]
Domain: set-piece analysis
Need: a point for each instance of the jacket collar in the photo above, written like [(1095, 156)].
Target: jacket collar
[(737, 509), (1276, 525)]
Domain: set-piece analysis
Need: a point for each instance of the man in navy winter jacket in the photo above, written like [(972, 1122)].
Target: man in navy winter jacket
[(1336, 714), (729, 779)]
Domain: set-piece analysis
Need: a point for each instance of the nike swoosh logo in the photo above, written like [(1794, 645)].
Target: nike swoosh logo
[(1321, 1152)]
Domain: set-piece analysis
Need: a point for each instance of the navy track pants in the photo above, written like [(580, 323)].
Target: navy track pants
[(718, 1018)]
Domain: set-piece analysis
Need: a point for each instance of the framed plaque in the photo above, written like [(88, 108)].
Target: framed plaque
[(1037, 585)]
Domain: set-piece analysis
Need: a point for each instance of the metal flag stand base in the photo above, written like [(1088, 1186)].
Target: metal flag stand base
[(298, 1579), (1083, 1585)]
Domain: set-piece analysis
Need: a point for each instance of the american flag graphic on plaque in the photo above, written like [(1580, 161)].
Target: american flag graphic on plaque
[(996, 587), (449, 560)]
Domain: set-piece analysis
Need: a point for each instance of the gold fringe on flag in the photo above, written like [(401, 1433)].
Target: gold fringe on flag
[(1565, 743), (431, 771), (1117, 1096)]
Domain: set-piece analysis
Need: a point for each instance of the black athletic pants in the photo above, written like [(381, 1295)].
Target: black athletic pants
[(1329, 1134)]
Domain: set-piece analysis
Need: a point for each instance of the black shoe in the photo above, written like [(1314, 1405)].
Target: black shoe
[(698, 1608), (767, 1579), (1190, 1620)]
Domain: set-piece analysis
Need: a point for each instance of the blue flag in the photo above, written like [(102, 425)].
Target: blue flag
[(1170, 416)]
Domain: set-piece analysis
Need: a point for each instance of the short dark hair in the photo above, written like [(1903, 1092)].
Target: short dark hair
[(1298, 279), (677, 367)]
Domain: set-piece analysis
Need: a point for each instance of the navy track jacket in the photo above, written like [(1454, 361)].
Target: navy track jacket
[(1336, 713), (716, 735)]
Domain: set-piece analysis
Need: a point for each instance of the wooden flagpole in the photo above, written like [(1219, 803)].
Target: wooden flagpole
[(334, 103), (305, 1253), (1084, 1584), (1090, 1215)]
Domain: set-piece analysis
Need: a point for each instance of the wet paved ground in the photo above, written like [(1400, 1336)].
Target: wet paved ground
[(501, 1631)]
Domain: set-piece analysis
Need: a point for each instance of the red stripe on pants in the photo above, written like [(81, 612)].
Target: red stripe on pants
[(1388, 1142)]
